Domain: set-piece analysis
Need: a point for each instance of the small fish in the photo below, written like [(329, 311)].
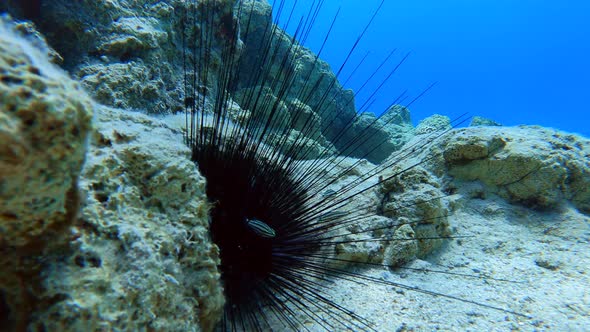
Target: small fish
[(261, 228), (332, 215), (171, 279), (328, 193)]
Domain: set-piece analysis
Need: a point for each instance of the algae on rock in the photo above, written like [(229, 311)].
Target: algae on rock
[(142, 256), (44, 121), (389, 213), (44, 124), (433, 123), (120, 242), (108, 43), (533, 166), (128, 54), (481, 121)]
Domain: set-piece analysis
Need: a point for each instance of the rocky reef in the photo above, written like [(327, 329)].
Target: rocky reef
[(104, 219), (45, 121), (120, 241), (533, 166), (44, 125)]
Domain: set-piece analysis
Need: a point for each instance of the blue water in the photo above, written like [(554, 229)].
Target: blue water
[(513, 61)]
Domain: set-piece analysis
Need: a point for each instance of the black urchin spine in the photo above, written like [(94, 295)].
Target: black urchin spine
[(275, 219)]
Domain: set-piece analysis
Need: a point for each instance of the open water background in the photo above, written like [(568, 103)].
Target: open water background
[(515, 62)]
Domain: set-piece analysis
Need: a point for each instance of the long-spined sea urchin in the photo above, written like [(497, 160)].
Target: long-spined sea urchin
[(275, 216)]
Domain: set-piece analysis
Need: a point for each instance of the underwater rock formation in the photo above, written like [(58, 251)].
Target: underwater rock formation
[(392, 210), (338, 111), (480, 121), (120, 243), (537, 167), (127, 55), (141, 255), (44, 122), (433, 123), (110, 46), (389, 132), (411, 197)]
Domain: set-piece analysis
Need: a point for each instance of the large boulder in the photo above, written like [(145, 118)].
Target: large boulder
[(534, 166), (44, 122), (140, 254), (379, 137), (120, 242), (127, 54)]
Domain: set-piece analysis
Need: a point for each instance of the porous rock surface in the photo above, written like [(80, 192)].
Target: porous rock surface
[(118, 243), (481, 121), (408, 213), (358, 215), (334, 113), (433, 123), (529, 166), (537, 167), (141, 254), (519, 196), (379, 137), (416, 201), (111, 46), (44, 122), (127, 54)]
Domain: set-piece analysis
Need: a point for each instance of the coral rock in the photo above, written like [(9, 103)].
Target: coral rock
[(44, 121), (433, 123), (533, 166), (141, 256)]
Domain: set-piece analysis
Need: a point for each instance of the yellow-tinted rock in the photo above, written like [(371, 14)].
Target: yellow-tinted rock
[(534, 166), (44, 121), (141, 256), (120, 242)]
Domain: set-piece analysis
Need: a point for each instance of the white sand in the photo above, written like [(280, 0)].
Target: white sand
[(508, 242)]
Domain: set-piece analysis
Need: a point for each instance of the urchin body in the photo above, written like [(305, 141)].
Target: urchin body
[(255, 221)]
